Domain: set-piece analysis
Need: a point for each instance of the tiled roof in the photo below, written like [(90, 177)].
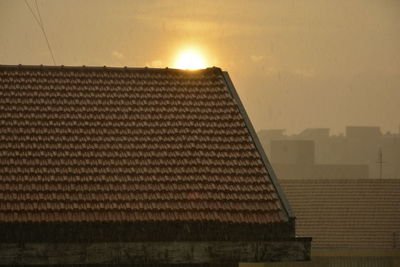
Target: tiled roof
[(354, 213), (86, 144)]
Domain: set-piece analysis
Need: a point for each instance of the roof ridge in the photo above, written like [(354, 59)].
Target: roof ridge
[(84, 67)]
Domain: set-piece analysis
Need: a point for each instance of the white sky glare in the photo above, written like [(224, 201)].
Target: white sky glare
[(295, 64)]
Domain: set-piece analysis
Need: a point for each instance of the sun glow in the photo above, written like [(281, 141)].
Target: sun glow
[(190, 59)]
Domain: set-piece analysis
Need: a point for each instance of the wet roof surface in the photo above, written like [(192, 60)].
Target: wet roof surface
[(118, 145), (352, 213)]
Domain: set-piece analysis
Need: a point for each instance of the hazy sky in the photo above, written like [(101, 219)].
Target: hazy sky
[(296, 64)]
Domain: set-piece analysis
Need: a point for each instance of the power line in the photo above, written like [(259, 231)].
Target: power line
[(44, 32), (38, 11), (40, 24), (33, 14)]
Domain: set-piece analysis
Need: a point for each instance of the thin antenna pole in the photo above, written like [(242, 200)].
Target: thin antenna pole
[(380, 162)]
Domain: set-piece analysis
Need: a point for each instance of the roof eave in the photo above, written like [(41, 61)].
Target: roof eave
[(288, 212)]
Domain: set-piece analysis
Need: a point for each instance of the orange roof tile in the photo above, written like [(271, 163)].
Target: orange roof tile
[(107, 144)]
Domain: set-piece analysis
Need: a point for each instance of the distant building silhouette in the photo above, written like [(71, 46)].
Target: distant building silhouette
[(315, 133), (293, 151), (353, 155), (363, 133)]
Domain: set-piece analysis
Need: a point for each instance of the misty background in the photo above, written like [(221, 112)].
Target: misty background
[(295, 64), (320, 81)]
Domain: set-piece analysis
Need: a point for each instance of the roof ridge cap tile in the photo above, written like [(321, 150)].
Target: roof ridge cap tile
[(108, 68)]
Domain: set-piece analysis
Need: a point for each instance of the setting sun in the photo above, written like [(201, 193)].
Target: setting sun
[(190, 59)]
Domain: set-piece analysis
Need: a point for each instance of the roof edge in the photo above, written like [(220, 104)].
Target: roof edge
[(84, 67), (281, 195)]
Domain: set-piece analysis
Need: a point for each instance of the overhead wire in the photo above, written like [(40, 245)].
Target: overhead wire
[(40, 24), (33, 14), (44, 32), (38, 11)]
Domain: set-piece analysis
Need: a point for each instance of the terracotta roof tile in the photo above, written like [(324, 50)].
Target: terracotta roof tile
[(105, 145), (354, 213)]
